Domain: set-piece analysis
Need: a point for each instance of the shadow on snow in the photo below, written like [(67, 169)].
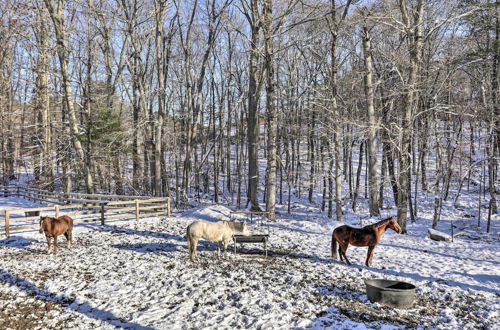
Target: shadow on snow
[(67, 302), (147, 247), (439, 253), (130, 231)]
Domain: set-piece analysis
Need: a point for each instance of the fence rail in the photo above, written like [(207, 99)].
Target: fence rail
[(96, 208), (60, 198)]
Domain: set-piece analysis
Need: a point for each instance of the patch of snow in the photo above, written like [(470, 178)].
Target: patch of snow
[(138, 275)]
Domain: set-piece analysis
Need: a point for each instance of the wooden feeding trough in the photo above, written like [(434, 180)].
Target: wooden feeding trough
[(254, 237), (391, 293)]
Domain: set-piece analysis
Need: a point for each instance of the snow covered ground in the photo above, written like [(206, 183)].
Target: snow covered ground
[(138, 275)]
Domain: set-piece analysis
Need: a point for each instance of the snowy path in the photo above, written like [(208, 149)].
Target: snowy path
[(139, 276)]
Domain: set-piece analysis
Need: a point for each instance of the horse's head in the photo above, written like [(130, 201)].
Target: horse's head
[(43, 223), (245, 230), (393, 224)]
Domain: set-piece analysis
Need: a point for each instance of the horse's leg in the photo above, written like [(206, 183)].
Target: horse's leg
[(70, 236), (226, 242), (190, 251), (55, 244), (191, 248), (344, 250), (334, 247), (66, 234), (369, 256), (218, 249), (342, 246), (195, 245), (48, 243)]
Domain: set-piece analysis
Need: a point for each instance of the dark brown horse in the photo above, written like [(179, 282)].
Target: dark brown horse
[(53, 227), (367, 236)]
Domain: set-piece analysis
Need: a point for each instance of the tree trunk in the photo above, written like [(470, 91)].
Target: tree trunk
[(56, 14), (335, 117), (338, 178), (372, 121), (414, 33), (158, 124), (253, 111), (42, 103), (494, 144), (272, 124), (358, 176)]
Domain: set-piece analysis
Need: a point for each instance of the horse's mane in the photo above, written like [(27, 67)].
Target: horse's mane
[(378, 224)]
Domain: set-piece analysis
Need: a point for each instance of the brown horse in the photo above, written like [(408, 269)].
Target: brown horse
[(53, 227), (367, 236)]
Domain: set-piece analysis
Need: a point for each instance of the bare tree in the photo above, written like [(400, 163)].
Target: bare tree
[(253, 16), (42, 103), (56, 11), (412, 23), (334, 26), (372, 121)]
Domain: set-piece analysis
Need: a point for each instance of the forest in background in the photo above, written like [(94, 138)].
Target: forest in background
[(253, 102)]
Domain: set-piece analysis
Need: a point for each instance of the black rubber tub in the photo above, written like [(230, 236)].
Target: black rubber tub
[(391, 293)]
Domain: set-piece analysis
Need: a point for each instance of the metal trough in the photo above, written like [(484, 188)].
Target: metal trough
[(391, 293)]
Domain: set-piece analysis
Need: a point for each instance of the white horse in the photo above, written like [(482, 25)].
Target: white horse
[(220, 231)]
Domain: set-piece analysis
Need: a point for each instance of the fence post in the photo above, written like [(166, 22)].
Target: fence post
[(102, 213), (136, 210), (168, 207), (7, 223), (57, 211)]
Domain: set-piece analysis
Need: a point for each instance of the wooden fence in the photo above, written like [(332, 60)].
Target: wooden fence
[(94, 209), (51, 197)]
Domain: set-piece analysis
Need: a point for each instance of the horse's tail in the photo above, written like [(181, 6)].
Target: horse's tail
[(187, 235), (189, 243), (334, 247)]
